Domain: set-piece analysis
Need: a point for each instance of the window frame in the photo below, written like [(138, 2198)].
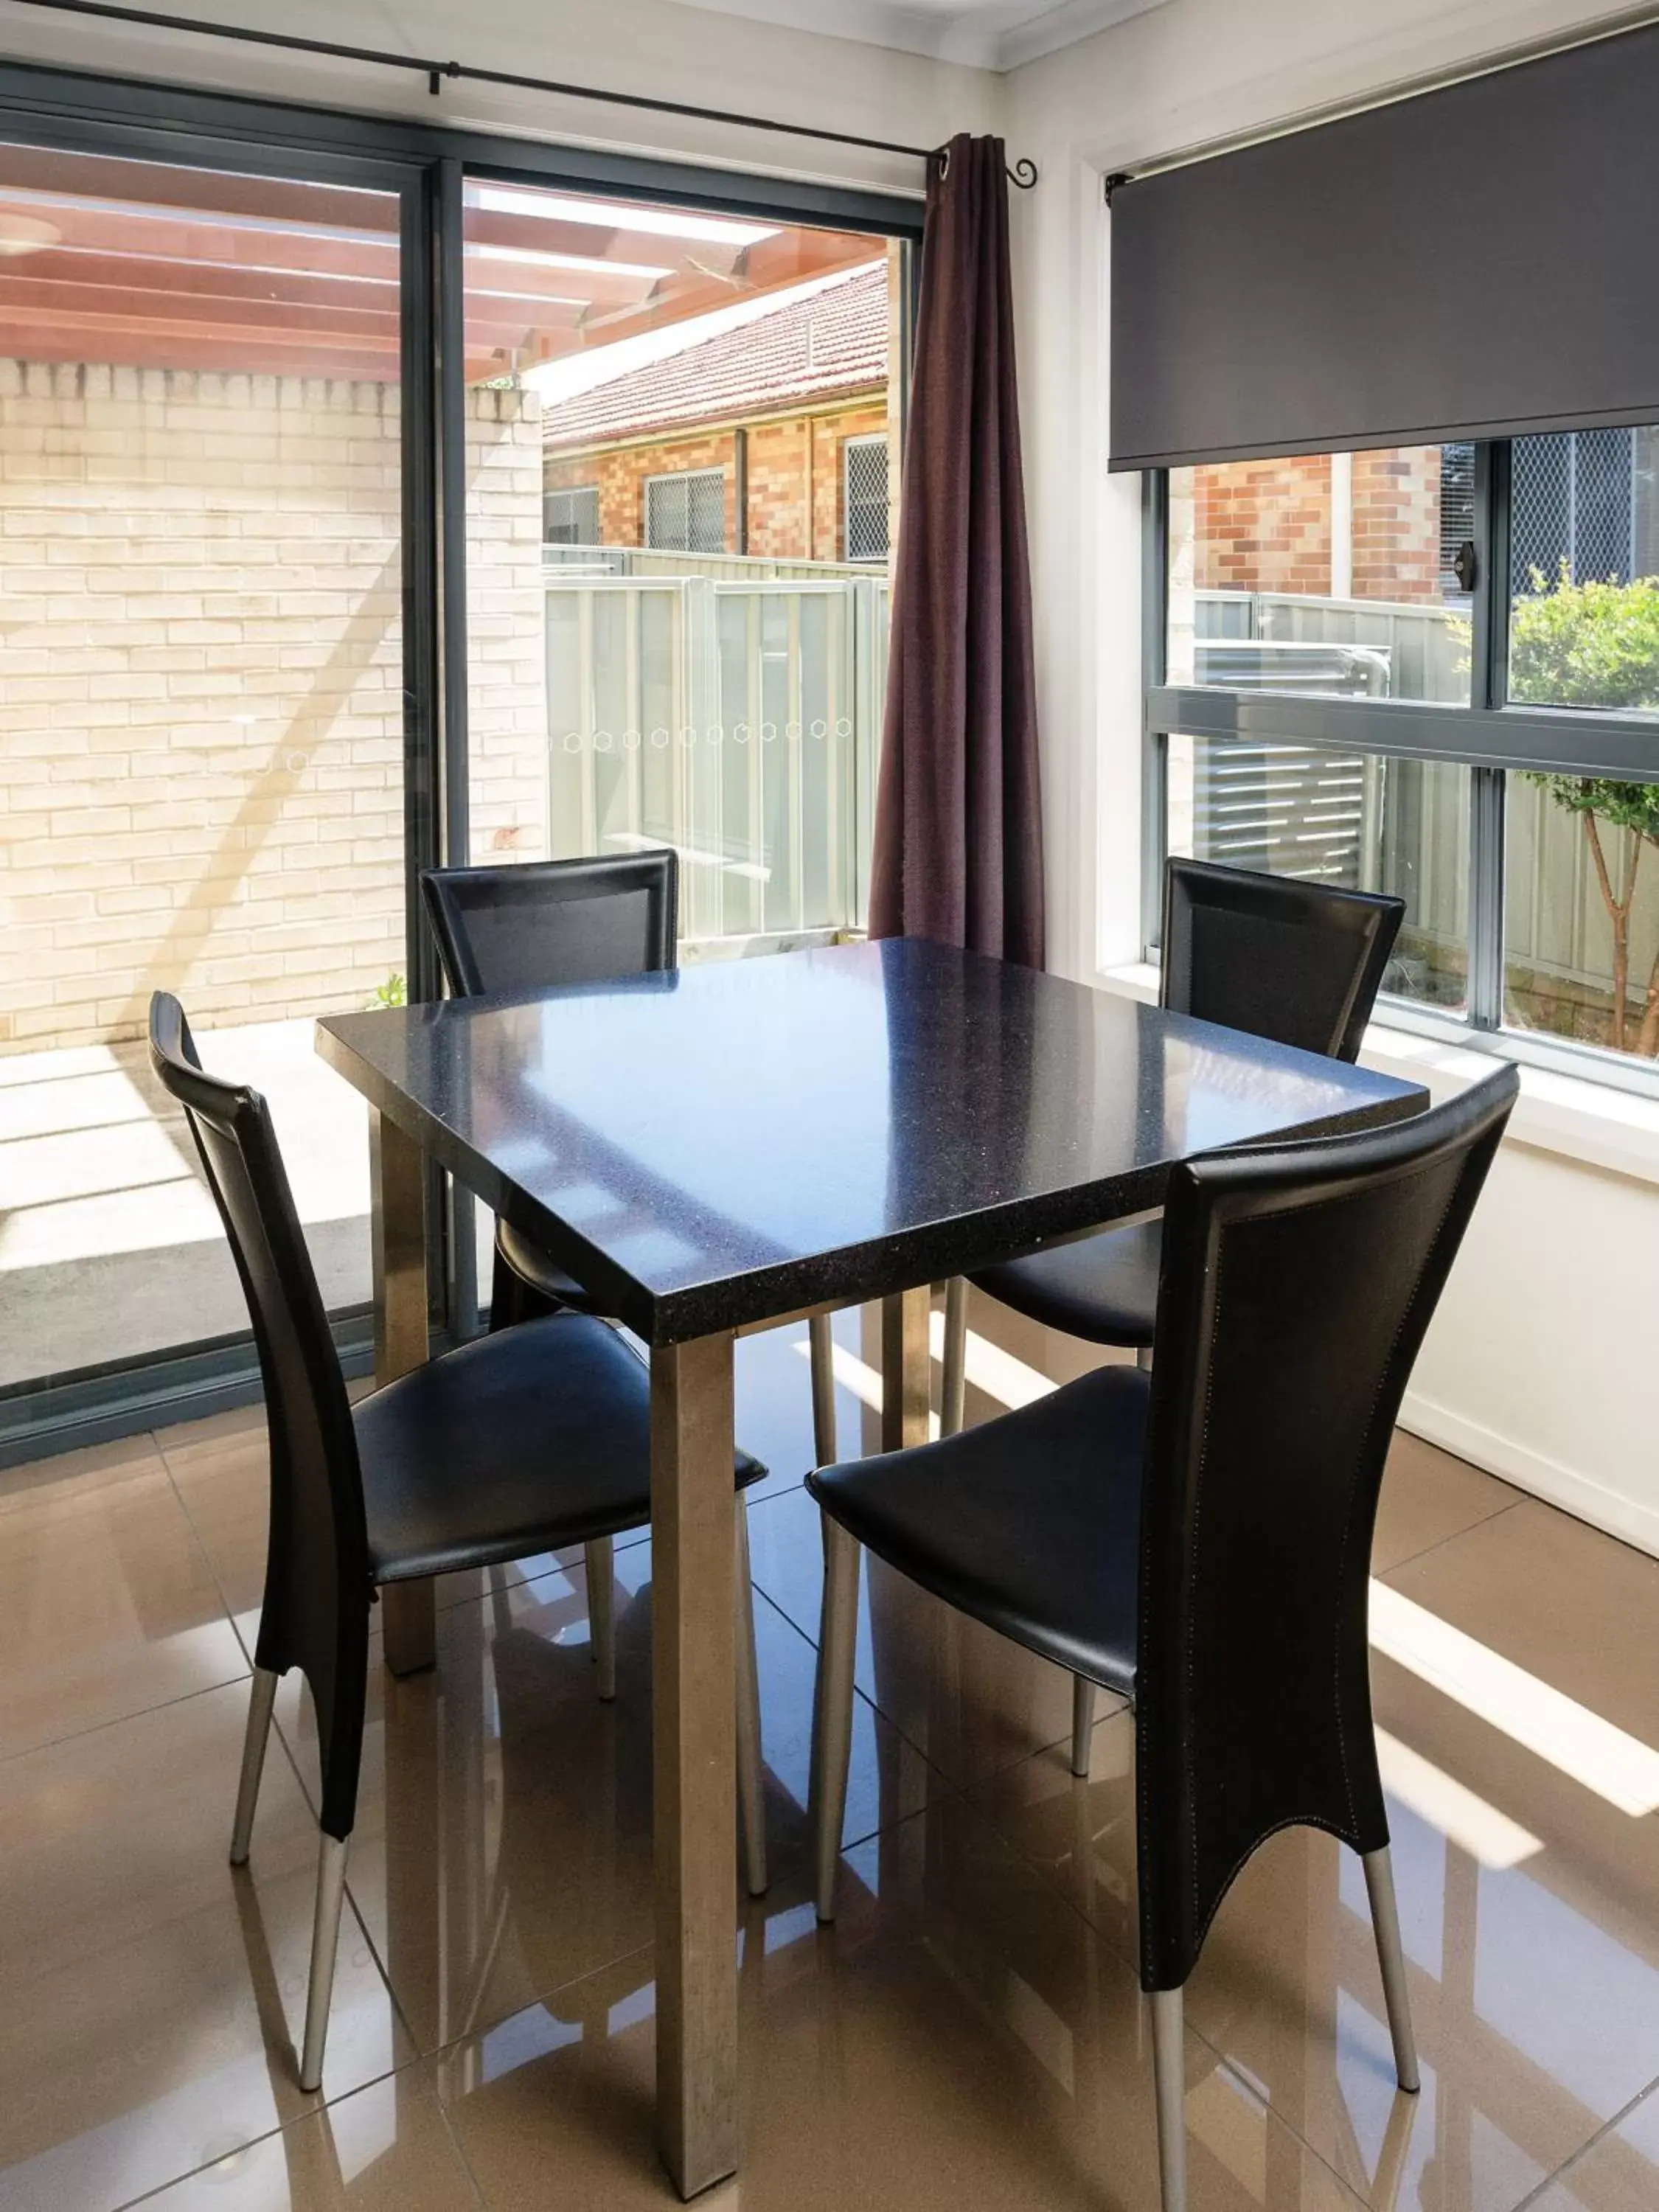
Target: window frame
[(688, 477), (849, 446), (1493, 736)]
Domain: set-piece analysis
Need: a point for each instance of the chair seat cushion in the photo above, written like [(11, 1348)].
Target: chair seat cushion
[(532, 1265), (1030, 1523), (535, 1438), (1103, 1288)]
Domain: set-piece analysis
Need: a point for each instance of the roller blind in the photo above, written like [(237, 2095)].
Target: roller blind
[(1474, 262)]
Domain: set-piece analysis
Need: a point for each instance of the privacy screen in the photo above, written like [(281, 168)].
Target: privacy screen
[(1463, 264)]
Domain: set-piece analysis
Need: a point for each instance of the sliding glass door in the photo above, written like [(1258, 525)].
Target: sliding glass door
[(682, 472), (201, 716), (363, 504)]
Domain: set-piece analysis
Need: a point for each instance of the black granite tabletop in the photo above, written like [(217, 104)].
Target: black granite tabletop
[(738, 1139)]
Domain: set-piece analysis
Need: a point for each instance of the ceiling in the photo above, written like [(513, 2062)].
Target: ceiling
[(998, 35)]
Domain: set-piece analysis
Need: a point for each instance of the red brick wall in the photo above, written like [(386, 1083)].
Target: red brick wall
[(795, 480), (1266, 526), (1396, 524), (1263, 525)]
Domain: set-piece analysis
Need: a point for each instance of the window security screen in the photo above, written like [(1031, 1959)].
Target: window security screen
[(686, 514), (864, 461), (571, 516)]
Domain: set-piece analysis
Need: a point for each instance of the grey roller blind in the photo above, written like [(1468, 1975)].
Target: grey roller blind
[(1474, 262)]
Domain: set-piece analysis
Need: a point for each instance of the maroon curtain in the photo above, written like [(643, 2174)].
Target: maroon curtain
[(958, 841)]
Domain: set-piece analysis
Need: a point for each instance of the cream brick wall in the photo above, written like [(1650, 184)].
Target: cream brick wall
[(201, 710), (506, 624)]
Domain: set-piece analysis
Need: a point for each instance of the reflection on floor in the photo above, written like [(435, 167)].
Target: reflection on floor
[(969, 2035)]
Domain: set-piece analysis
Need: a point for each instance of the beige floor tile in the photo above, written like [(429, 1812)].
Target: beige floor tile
[(1574, 1607), (1428, 1497), (503, 1841), (151, 1996), (386, 2149), (959, 2038), (971, 1701), (108, 1604), (1530, 1908), (1619, 2172)]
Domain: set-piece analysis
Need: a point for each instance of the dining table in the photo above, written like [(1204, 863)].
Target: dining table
[(737, 1142)]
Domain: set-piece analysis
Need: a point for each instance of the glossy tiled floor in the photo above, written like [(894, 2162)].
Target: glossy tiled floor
[(969, 2035)]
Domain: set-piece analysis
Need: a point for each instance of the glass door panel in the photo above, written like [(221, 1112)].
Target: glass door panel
[(682, 467), (201, 718)]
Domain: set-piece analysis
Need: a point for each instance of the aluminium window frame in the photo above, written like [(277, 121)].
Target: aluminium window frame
[(1493, 736)]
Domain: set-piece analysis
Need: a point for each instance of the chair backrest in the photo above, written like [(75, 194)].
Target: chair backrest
[(318, 1590), (1298, 963), (1298, 1281), (541, 923)]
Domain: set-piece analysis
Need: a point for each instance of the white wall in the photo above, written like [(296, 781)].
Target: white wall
[(1533, 1367), (652, 47)]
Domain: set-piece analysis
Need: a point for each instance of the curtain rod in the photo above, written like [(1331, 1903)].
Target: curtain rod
[(1611, 26), (1023, 174)]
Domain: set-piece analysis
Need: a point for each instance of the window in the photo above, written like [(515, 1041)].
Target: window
[(863, 497), (1330, 573), (571, 515), (686, 514), (1336, 815), (1432, 670)]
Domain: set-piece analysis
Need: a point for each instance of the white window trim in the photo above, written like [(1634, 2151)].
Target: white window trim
[(1592, 1123)]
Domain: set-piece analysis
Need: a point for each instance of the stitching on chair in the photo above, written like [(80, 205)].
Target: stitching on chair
[(1347, 1526), (1198, 1507), (1293, 1819)]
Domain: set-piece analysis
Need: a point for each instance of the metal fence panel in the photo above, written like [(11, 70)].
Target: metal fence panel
[(729, 710)]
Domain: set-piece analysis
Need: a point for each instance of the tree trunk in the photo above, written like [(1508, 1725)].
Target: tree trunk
[(1648, 1042), (1619, 916)]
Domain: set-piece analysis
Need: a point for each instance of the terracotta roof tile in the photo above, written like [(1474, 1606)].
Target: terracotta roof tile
[(833, 341)]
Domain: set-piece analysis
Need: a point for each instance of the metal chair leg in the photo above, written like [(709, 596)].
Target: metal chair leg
[(832, 1733), (823, 1390), (1385, 1922), (953, 1383), (752, 1797), (1169, 2075), (1083, 1723), (324, 1942), (600, 1557), (260, 1703)]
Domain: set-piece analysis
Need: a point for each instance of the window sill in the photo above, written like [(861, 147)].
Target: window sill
[(1582, 1120)]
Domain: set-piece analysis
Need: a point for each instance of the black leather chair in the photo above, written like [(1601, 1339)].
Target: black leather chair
[(1298, 963), (533, 925), (1197, 1538), (518, 1442), (530, 927)]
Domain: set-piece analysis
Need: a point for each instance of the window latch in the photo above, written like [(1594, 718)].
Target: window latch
[(1467, 566)]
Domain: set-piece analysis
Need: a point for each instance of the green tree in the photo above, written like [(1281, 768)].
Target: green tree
[(1597, 645)]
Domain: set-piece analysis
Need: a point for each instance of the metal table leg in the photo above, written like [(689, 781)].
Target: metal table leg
[(694, 1742), (396, 1174), (906, 1368)]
